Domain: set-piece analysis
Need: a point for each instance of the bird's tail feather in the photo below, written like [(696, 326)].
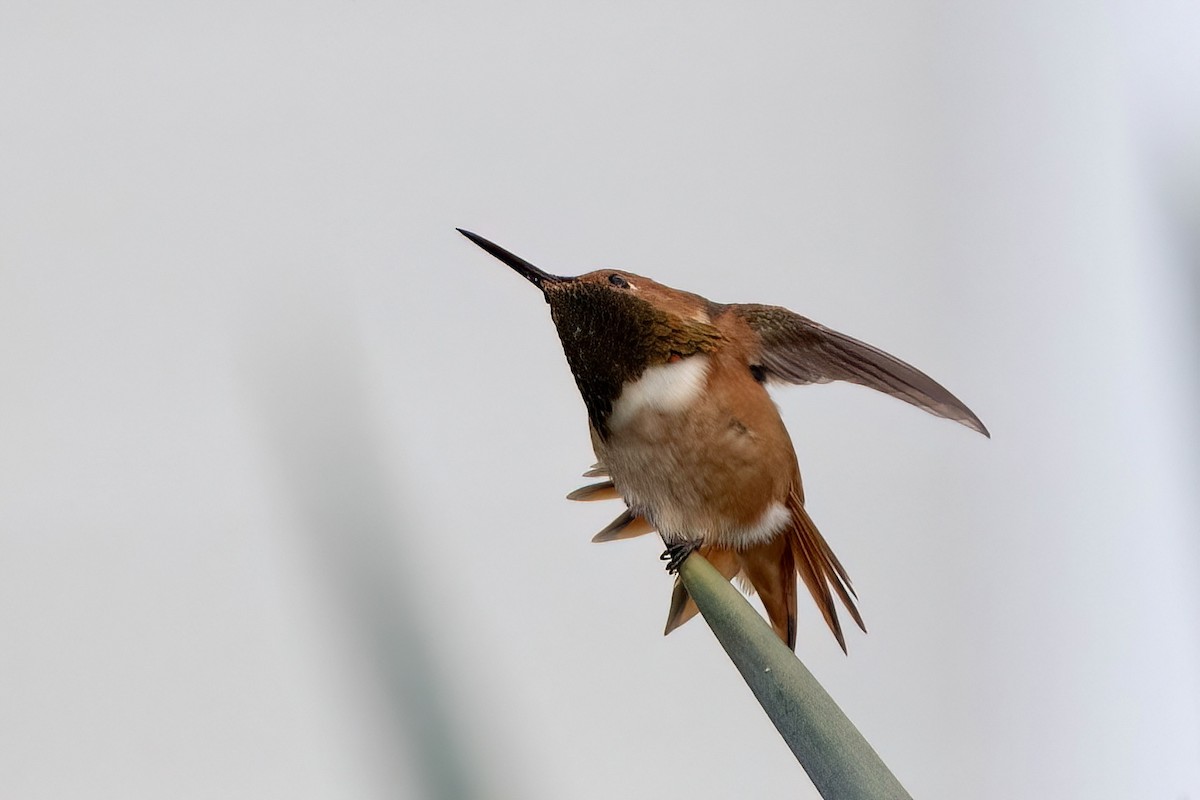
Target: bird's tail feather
[(771, 568), (820, 569)]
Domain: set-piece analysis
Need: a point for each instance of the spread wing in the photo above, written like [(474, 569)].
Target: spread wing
[(798, 350)]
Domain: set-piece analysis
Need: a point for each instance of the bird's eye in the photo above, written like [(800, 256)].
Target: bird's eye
[(618, 281), (758, 372)]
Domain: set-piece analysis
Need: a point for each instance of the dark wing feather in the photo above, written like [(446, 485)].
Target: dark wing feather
[(798, 350)]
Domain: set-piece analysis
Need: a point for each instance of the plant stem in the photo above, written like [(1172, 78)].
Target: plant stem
[(837, 758)]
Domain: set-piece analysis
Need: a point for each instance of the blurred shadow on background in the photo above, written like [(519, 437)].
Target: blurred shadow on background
[(306, 378), (1183, 210)]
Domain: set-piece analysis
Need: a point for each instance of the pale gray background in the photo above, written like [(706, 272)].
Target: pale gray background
[(282, 457)]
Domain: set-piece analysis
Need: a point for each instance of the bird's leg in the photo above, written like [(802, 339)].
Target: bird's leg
[(676, 553)]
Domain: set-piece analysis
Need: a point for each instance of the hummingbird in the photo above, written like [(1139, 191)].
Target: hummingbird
[(686, 434)]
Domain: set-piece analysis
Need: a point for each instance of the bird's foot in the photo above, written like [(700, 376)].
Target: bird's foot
[(676, 553)]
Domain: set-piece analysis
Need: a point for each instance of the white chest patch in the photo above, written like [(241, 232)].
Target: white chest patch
[(665, 388)]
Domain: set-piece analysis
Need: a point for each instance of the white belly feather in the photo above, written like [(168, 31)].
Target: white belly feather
[(664, 388)]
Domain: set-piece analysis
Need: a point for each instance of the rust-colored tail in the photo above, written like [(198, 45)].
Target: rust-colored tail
[(820, 569), (771, 570)]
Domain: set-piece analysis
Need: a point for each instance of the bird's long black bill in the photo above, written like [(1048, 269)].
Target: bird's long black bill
[(531, 273)]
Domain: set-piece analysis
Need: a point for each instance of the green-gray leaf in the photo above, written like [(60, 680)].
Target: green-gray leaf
[(841, 763)]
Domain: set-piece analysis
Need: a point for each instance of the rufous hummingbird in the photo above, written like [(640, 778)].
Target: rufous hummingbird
[(685, 433)]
